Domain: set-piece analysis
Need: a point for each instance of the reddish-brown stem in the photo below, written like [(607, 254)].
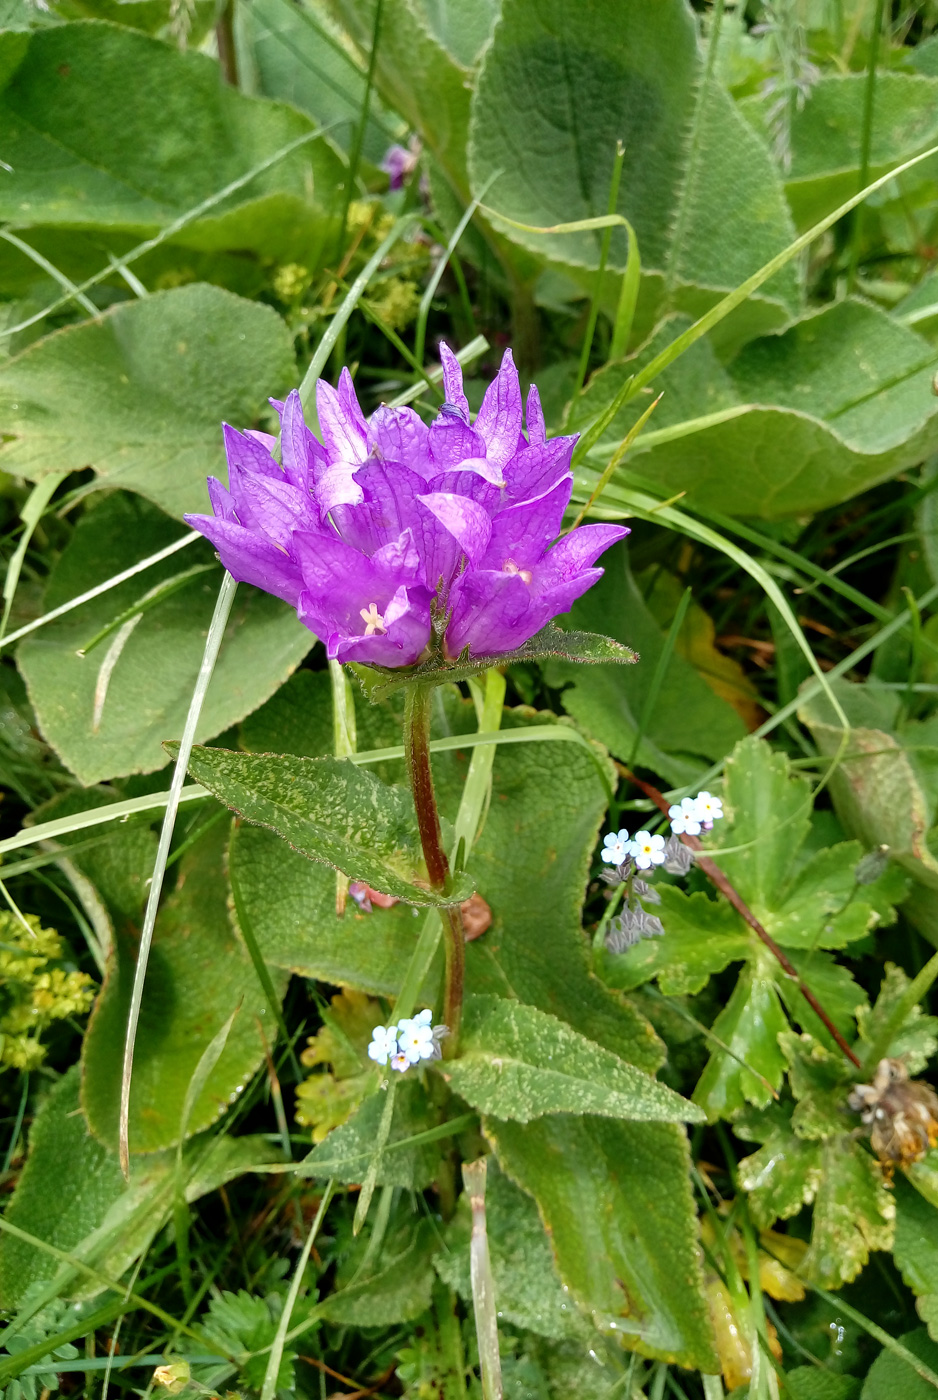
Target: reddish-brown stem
[(715, 874), (418, 699)]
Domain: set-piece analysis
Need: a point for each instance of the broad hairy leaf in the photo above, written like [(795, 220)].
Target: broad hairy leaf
[(518, 1062), (329, 810), (198, 974), (547, 804), (416, 75), (299, 60), (388, 1285), (139, 393), (616, 1201), (891, 1376), (347, 1151), (527, 1287), (826, 135), (107, 714), (561, 82), (71, 1194), (90, 146), (795, 422)]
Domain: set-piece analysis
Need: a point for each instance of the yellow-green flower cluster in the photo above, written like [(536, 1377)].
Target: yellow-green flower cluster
[(33, 991)]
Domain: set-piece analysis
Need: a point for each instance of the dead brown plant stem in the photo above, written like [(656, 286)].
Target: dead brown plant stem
[(715, 874)]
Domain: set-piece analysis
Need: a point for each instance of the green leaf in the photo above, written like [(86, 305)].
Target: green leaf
[(702, 936), (890, 1376), (876, 790), (546, 808), (915, 1250), (120, 862), (347, 1152), (551, 641), (750, 1025), (689, 725), (416, 75), (560, 85), (198, 974), (139, 393), (894, 1029), (811, 1383), (746, 438), (90, 147), (781, 1177), (147, 697), (388, 1286), (616, 1201), (528, 1291), (854, 1214), (71, 1191), (517, 1062), (332, 811), (547, 804), (826, 135), (299, 60)]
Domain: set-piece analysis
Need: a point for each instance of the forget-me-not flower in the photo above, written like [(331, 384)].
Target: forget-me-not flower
[(684, 818), (616, 846), (647, 850), (383, 1044)]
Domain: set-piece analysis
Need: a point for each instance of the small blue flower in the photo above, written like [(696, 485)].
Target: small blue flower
[(647, 850), (615, 847), (415, 1036), (400, 1062), (709, 809), (383, 1044), (685, 820)]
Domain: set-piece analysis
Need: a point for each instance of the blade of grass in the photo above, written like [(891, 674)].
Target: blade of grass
[(199, 1078), (149, 600), (31, 514), (660, 671), (359, 137), (213, 643), (646, 507), (349, 302), (426, 301), (615, 459), (113, 582), (67, 285), (593, 315), (482, 1282), (628, 297), (171, 229), (97, 816), (866, 138)]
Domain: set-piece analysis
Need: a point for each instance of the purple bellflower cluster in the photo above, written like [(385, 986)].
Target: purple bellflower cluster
[(397, 542)]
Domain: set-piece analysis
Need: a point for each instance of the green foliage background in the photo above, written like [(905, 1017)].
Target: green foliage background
[(680, 1200)]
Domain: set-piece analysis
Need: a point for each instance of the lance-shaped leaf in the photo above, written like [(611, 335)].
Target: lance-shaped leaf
[(617, 1203), (331, 811), (551, 641), (519, 1063)]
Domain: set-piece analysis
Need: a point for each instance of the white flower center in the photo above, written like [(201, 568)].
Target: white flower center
[(510, 567), (372, 619)]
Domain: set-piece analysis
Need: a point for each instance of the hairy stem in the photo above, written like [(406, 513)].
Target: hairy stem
[(417, 752)]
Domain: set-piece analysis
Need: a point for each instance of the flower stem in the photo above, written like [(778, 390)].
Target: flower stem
[(417, 705)]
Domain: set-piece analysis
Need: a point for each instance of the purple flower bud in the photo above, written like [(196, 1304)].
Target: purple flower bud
[(396, 541), (397, 164)]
